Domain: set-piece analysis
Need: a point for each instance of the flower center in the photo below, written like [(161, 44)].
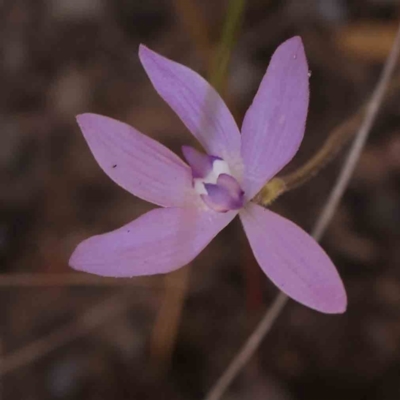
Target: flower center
[(213, 181), (218, 167)]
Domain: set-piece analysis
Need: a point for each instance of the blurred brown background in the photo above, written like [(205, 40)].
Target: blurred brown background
[(98, 340)]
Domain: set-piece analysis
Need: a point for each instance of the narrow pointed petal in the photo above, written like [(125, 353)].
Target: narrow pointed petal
[(139, 164), (274, 125), (158, 242), (196, 103), (293, 260)]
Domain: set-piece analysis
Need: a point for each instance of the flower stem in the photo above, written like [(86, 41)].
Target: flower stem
[(371, 110), (334, 143)]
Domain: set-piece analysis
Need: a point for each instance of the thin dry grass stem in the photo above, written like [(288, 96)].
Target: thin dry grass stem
[(167, 321), (350, 163), (72, 279), (262, 329), (224, 50), (249, 348), (94, 317)]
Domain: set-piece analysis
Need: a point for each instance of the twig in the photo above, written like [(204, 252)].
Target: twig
[(249, 348), (168, 317), (94, 317), (359, 141), (73, 279), (325, 217)]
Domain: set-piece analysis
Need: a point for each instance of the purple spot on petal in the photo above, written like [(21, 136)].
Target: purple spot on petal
[(230, 184), (200, 163), (225, 195)]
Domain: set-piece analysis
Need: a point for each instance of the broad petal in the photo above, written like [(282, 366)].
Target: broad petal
[(158, 242), (293, 260), (196, 103), (136, 162), (274, 125)]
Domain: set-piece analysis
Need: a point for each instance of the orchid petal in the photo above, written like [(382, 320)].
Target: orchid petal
[(157, 242), (225, 195), (274, 125), (196, 103), (136, 162), (293, 260), (201, 164), (231, 185)]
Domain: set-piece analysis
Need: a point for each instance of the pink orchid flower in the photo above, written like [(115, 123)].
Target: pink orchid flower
[(200, 197)]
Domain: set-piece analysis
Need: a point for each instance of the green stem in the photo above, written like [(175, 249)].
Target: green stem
[(224, 50)]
